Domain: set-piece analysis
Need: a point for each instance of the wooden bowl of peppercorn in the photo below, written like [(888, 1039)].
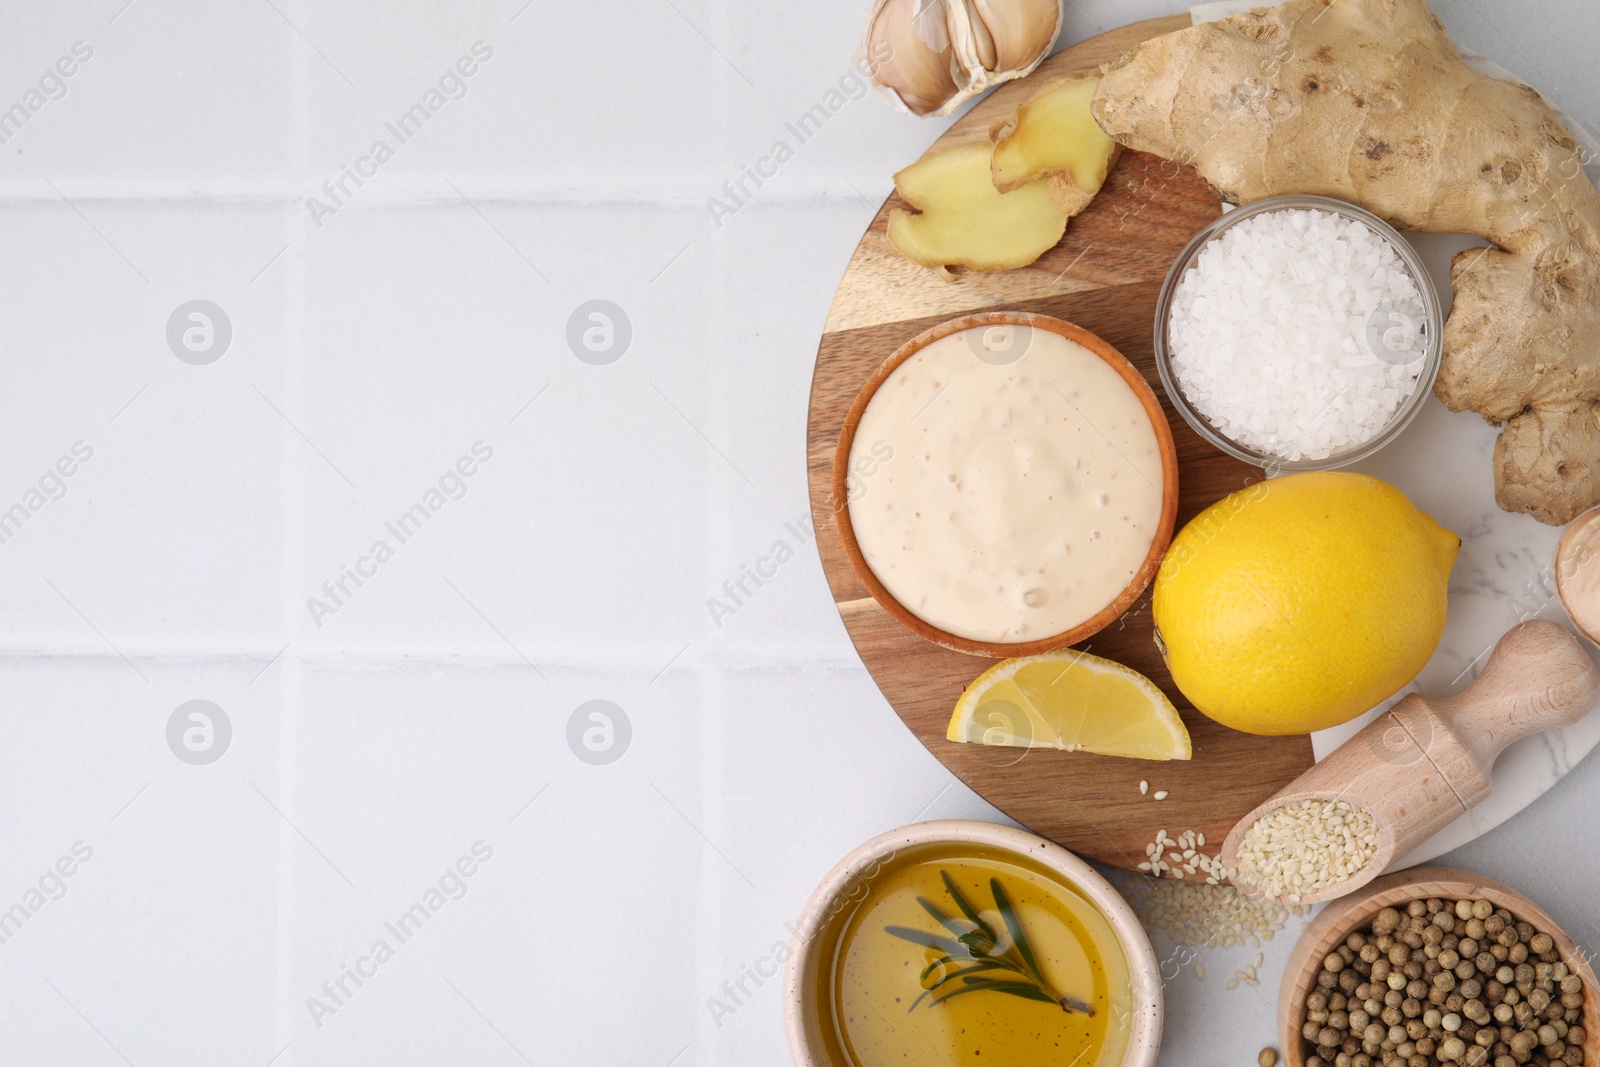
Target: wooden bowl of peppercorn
[(1401, 945)]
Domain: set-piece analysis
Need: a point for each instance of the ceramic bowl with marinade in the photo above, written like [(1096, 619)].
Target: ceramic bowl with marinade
[(961, 942)]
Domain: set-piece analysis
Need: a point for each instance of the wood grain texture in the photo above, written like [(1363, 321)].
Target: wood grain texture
[(1338, 919), (1113, 237), (1104, 277)]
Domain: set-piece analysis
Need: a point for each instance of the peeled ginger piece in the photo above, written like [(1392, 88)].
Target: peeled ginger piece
[(962, 220), (1054, 138)]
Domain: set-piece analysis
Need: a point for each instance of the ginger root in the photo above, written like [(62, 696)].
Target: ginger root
[(1368, 100), (1055, 137), (962, 220)]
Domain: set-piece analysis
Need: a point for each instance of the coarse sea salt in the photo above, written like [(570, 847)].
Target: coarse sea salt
[(1297, 333)]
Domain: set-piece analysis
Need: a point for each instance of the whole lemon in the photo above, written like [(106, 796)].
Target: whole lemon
[(1303, 601)]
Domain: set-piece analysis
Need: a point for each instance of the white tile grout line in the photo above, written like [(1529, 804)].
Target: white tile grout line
[(410, 191), (713, 915), (295, 26), (644, 657), (288, 676), (718, 549)]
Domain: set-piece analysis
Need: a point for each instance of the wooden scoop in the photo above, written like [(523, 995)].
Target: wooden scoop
[(1426, 761)]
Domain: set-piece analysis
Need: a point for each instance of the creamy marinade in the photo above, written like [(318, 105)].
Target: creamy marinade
[(1001, 497)]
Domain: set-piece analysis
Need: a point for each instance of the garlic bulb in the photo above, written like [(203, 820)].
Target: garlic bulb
[(934, 54)]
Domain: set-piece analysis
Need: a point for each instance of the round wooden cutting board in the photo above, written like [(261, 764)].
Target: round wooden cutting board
[(1104, 276)]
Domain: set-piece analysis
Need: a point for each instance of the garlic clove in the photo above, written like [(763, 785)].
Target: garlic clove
[(932, 55), (1020, 33), (908, 51), (984, 54)]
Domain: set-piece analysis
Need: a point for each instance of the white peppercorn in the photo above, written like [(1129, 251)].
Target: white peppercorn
[(1444, 982)]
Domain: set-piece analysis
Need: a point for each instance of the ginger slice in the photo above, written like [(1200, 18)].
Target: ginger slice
[(1368, 100), (962, 220), (1054, 137)]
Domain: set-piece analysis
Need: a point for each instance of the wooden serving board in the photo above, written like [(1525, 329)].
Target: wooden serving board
[(1104, 276)]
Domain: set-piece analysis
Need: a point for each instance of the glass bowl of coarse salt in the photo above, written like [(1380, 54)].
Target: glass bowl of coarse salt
[(1298, 333)]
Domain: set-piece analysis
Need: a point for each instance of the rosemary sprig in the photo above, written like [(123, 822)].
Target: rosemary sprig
[(967, 960)]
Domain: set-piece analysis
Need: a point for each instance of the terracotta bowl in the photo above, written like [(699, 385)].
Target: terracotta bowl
[(813, 935), (1169, 488), (1338, 919)]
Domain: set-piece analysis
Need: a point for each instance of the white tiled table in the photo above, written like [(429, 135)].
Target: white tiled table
[(424, 714)]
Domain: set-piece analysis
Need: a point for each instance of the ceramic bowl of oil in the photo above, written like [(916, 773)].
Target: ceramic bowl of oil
[(961, 942)]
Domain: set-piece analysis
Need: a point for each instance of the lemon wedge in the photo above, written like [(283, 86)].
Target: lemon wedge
[(1072, 701)]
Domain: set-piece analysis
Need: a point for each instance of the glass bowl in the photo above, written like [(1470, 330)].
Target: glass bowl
[(1431, 330)]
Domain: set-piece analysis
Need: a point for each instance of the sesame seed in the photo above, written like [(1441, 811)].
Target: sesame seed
[(1212, 914), (1296, 849)]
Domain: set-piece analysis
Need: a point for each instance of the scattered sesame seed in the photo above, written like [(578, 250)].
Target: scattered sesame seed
[(1189, 913)]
